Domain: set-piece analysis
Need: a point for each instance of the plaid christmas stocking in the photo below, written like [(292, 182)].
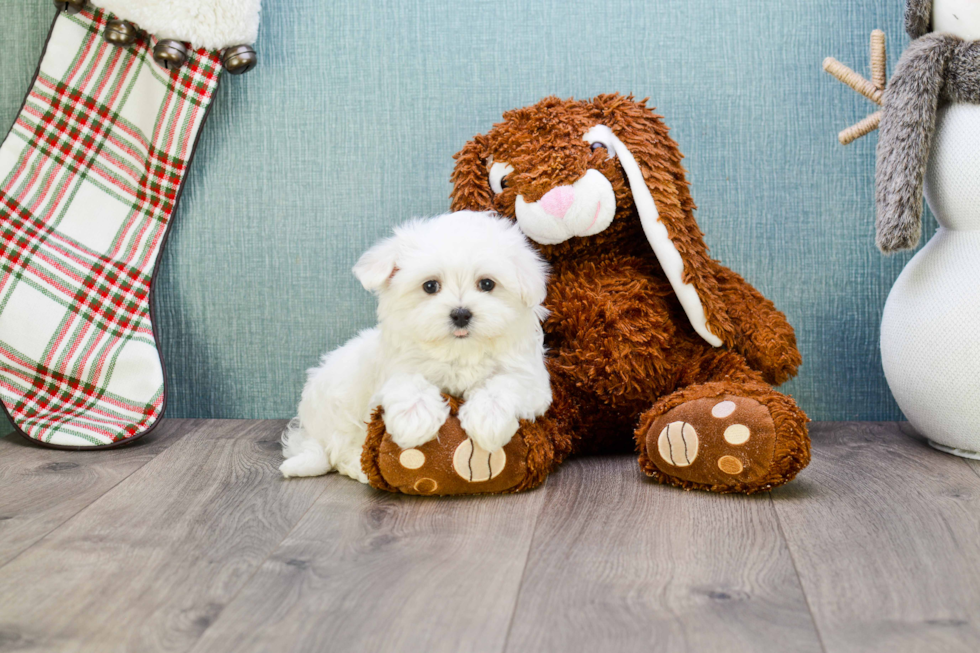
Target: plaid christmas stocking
[(90, 174)]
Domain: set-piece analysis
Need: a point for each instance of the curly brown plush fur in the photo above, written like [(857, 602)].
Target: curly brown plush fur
[(621, 346)]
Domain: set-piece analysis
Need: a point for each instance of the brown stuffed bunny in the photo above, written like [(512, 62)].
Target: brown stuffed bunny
[(646, 329)]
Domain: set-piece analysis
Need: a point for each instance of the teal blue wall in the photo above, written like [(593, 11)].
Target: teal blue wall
[(350, 123)]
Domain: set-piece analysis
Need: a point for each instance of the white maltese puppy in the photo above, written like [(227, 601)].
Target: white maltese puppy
[(459, 312)]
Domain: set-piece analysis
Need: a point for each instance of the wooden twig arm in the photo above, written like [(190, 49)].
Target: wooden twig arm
[(873, 89)]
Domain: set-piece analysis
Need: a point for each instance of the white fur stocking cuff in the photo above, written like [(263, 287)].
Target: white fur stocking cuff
[(210, 24)]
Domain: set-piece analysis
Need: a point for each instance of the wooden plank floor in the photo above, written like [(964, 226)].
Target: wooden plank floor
[(189, 541)]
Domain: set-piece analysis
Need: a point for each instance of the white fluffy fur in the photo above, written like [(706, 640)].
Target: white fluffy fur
[(211, 24), (416, 353)]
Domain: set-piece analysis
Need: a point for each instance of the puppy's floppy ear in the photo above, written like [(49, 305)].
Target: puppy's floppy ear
[(378, 265), (530, 270), (652, 162), (471, 183)]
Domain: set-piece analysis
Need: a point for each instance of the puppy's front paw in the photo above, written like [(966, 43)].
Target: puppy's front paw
[(488, 421), (416, 421), (414, 415)]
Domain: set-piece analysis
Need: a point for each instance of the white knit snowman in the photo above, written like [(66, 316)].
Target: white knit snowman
[(930, 145), (930, 329)]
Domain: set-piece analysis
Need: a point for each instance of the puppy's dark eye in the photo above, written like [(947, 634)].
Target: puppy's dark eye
[(597, 145), (505, 182), (486, 285), (431, 287)]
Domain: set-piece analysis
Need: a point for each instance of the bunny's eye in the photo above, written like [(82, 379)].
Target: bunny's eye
[(601, 138), (498, 176)]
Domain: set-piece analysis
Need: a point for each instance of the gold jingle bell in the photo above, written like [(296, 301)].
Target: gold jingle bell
[(70, 6), (170, 54), (121, 32), (239, 59)]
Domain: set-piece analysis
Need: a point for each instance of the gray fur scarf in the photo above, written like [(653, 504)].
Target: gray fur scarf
[(936, 68)]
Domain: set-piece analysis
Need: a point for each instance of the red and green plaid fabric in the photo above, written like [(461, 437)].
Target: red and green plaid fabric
[(89, 177)]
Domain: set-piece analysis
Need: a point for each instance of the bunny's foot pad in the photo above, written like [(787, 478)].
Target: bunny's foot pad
[(725, 443), (451, 464)]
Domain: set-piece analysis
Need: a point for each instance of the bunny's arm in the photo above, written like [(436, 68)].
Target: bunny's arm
[(907, 125), (763, 334)]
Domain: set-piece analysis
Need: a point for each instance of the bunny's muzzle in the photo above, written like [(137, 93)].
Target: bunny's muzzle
[(582, 209)]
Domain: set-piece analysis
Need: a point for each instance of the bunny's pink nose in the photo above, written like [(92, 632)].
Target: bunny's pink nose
[(558, 200)]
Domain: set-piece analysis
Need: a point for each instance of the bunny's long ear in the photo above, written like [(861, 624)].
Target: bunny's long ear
[(471, 191), (908, 121), (652, 162)]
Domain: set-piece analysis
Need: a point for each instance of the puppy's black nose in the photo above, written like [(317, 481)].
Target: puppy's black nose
[(461, 317)]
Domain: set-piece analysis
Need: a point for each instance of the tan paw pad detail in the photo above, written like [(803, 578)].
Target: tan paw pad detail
[(723, 409), (737, 434), (425, 486), (412, 459), (719, 441), (678, 444), (475, 464), (730, 465)]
